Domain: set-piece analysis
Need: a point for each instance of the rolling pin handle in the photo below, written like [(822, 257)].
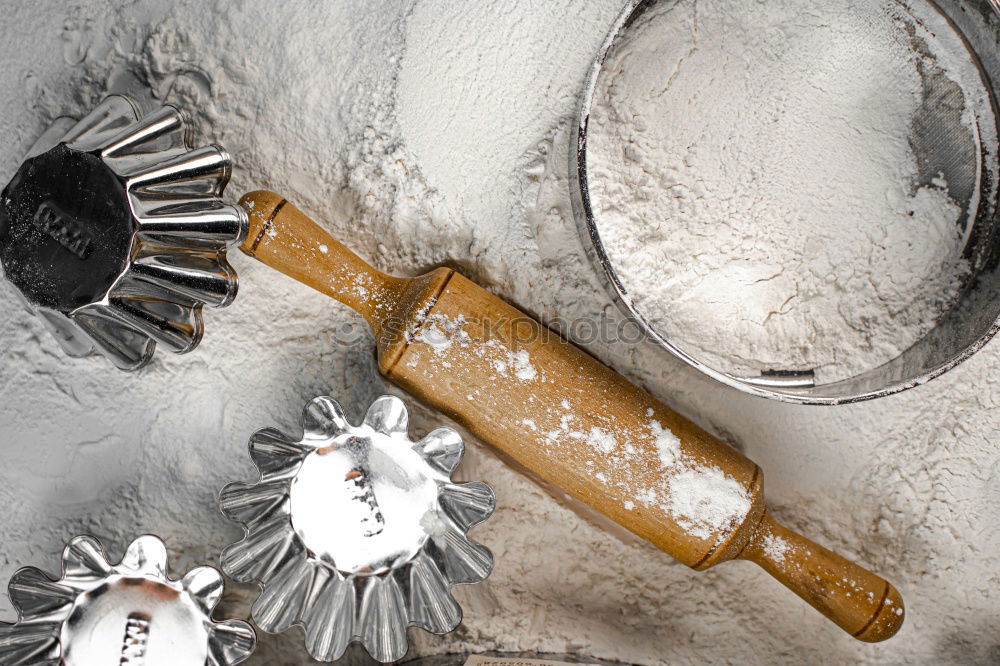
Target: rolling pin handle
[(865, 605), (287, 240)]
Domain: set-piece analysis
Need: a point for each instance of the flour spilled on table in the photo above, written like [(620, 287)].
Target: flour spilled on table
[(756, 185), (419, 133)]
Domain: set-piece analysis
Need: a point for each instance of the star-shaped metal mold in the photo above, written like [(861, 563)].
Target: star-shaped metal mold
[(114, 232), (356, 532), (126, 614)]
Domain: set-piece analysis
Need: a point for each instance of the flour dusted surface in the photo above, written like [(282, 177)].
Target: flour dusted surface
[(415, 136), (755, 183)]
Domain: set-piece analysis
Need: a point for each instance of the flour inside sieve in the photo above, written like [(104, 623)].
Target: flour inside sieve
[(790, 186)]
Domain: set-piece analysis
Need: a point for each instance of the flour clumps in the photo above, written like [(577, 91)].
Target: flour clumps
[(758, 186), (776, 547), (704, 501)]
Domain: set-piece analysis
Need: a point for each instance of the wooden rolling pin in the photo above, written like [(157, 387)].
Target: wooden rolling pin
[(569, 419)]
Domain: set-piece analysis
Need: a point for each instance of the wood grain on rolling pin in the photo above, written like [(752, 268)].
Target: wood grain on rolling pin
[(569, 419), (557, 415)]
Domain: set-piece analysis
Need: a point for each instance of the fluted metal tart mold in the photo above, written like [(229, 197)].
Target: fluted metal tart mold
[(125, 614), (115, 234), (356, 532)]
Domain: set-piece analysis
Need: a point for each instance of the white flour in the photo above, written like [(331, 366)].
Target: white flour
[(422, 132), (755, 184), (776, 547), (704, 499), (440, 333)]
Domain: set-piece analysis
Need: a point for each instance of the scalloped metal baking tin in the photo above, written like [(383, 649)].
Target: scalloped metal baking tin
[(356, 532), (126, 614), (114, 233)]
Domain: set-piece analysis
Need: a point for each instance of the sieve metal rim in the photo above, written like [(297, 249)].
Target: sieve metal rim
[(804, 394)]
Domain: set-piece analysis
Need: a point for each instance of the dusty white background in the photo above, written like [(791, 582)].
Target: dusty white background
[(426, 132)]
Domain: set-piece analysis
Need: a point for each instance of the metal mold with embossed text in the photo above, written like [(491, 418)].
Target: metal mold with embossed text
[(114, 233), (356, 532), (125, 614)]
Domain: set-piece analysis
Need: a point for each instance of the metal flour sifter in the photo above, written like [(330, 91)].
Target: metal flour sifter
[(947, 144)]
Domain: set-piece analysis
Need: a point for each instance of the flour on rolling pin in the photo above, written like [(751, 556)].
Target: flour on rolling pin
[(701, 498), (440, 333)]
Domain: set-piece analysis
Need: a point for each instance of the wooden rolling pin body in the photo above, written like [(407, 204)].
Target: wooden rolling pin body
[(569, 419)]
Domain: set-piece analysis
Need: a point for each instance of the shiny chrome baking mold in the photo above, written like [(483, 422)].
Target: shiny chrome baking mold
[(114, 232), (126, 614), (356, 532)]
